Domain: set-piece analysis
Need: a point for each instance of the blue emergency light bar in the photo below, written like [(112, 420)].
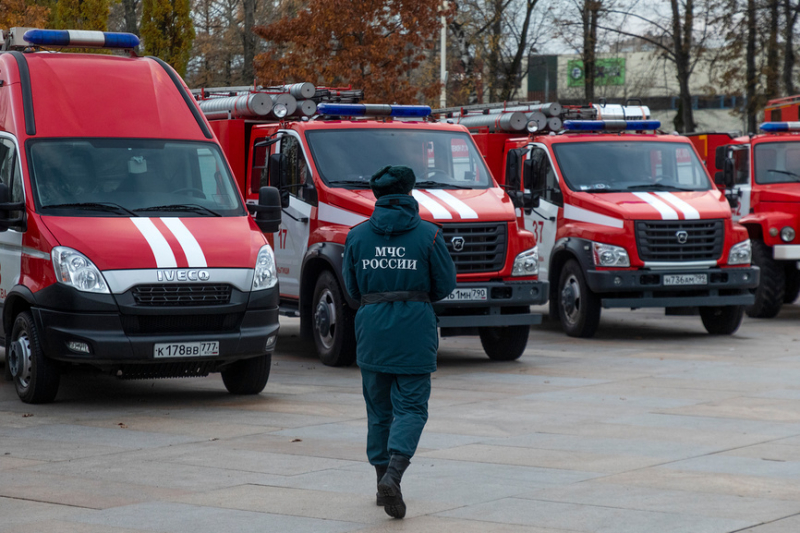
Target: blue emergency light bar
[(81, 39), (775, 127), (374, 110), (611, 125)]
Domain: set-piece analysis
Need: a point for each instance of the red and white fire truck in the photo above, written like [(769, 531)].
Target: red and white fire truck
[(761, 177), (622, 218), (320, 146), (125, 244)]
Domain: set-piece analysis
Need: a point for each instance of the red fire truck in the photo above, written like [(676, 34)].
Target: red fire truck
[(125, 244), (761, 177), (623, 218), (320, 146)]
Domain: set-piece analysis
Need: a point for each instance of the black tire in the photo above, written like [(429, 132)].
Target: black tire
[(578, 306), (771, 290), (333, 323), (504, 343), (37, 377), (792, 289), (722, 320), (247, 376)]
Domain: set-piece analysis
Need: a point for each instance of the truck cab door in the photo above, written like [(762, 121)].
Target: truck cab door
[(542, 221), (11, 239), (291, 242)]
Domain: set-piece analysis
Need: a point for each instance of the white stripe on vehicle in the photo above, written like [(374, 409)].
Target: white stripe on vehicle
[(336, 215), (158, 244), (191, 248), (463, 210), (436, 209), (667, 213), (689, 212), (580, 214)]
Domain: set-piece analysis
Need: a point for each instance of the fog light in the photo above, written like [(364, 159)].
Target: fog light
[(617, 280), (746, 277), (271, 342), (773, 232), (77, 346)]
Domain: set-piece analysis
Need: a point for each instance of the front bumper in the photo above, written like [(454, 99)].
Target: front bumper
[(507, 304), (121, 334), (786, 252), (645, 288)]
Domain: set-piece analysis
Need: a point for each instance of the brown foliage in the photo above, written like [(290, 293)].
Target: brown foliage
[(22, 13), (374, 45)]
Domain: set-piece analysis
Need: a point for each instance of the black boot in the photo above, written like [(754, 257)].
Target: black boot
[(389, 487), (380, 470)]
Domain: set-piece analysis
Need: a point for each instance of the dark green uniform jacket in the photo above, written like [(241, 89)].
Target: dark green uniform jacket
[(397, 251)]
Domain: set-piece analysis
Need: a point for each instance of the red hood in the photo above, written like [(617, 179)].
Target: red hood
[(439, 205), (141, 243), (656, 205)]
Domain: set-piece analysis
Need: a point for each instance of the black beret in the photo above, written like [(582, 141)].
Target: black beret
[(392, 180)]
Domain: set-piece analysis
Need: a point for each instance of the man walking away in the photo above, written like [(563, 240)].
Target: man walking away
[(396, 264)]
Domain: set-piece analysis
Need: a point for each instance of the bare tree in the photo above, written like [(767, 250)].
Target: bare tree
[(790, 12)]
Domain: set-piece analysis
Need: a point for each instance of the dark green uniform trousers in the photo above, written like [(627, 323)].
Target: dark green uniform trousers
[(397, 409)]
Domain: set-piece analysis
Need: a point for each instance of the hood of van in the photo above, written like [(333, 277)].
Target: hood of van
[(121, 243), (658, 205), (436, 205)]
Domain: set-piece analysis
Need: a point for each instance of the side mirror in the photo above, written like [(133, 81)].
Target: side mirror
[(268, 210), (719, 156), (719, 179), (279, 176), (727, 173), (530, 199)]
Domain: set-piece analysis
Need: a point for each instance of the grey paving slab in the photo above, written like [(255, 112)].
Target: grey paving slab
[(60, 526), (182, 518), (16, 512), (596, 519), (747, 466), (117, 437), (790, 524)]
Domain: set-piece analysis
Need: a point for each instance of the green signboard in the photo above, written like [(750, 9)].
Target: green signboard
[(607, 71)]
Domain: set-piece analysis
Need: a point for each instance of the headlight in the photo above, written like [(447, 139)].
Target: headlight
[(607, 255), (75, 269), (265, 275), (527, 263), (740, 254), (787, 234)]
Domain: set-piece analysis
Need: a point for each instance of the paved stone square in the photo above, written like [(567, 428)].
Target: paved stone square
[(651, 427)]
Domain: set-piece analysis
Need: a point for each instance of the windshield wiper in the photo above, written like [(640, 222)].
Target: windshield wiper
[(438, 184), (104, 206), (364, 184), (180, 207), (786, 172), (659, 186)]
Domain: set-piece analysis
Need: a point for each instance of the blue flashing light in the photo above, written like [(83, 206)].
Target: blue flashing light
[(363, 110), (81, 39), (611, 125), (775, 127)]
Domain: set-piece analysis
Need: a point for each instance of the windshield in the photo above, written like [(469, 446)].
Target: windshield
[(131, 177), (630, 166), (777, 162), (439, 159)]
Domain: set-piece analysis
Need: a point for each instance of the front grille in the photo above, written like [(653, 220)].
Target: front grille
[(177, 324), (657, 240), (484, 247), (182, 295)]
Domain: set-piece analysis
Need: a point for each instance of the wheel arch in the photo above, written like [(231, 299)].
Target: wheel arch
[(564, 250), (320, 257), (19, 299)]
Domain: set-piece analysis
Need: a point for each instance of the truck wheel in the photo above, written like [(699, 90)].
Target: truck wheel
[(247, 376), (792, 289), (504, 343), (35, 376), (771, 289), (333, 323), (578, 306), (722, 320)]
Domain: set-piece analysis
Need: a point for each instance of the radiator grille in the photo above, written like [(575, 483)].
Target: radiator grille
[(182, 295), (679, 240), (484, 246)]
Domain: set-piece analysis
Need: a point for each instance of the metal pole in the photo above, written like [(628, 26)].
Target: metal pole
[(443, 60)]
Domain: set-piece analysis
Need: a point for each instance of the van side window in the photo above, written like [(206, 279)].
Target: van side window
[(299, 175), (10, 173), (552, 191), (741, 167)]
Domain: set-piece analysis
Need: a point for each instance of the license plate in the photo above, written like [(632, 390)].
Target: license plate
[(186, 349), (468, 295), (686, 279)]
